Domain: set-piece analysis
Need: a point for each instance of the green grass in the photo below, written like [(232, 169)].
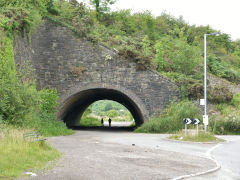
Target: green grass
[(18, 155), (49, 126), (90, 121), (171, 119), (202, 137)]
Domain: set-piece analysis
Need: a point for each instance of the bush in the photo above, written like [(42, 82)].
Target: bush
[(21, 104), (236, 100), (176, 55), (219, 94), (171, 119), (90, 121), (221, 69), (225, 125), (112, 113), (48, 100)]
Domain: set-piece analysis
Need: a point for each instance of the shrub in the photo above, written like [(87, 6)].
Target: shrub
[(219, 94), (112, 113), (171, 119), (236, 100), (221, 69), (48, 100), (90, 121), (225, 125), (176, 55)]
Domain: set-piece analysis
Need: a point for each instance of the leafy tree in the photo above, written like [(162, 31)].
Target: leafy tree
[(177, 55), (108, 107), (101, 6)]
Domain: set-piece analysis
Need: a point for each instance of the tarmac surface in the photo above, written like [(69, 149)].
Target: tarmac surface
[(120, 155)]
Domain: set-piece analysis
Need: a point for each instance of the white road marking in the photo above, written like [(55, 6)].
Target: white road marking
[(208, 156)]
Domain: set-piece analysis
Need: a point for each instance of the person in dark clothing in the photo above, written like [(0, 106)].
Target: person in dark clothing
[(102, 122), (109, 122)]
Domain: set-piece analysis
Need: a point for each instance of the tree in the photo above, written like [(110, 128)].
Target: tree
[(108, 107), (101, 6)]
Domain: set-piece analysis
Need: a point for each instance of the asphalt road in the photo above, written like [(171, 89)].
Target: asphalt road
[(125, 155), (227, 154)]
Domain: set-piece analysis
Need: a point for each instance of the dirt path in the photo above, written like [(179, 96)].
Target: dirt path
[(97, 155)]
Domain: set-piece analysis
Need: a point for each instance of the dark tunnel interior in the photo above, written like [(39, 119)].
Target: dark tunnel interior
[(78, 103)]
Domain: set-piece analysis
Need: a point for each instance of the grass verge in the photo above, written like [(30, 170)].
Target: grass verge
[(18, 155), (90, 121), (202, 137)]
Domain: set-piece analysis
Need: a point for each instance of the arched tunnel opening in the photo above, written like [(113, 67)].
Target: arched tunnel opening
[(75, 106)]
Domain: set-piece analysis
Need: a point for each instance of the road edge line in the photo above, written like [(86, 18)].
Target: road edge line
[(208, 156)]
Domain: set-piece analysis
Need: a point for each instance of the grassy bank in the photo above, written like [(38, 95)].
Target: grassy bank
[(171, 119), (18, 155)]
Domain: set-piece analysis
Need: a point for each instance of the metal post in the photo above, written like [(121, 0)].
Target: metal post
[(205, 79), (197, 129), (185, 129)]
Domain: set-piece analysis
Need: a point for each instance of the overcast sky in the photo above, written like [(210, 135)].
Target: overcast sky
[(223, 15)]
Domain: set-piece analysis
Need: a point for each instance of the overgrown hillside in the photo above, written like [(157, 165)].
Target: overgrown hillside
[(164, 43), (21, 104)]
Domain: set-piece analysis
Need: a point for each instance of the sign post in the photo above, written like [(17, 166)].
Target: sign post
[(190, 121), (205, 122), (185, 129), (186, 121), (196, 122)]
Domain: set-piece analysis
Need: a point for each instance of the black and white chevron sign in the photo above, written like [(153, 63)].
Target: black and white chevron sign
[(187, 120), (195, 121)]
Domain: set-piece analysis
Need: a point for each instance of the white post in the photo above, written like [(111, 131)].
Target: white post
[(185, 129), (197, 129), (205, 80)]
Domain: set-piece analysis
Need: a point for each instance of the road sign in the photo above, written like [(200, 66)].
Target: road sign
[(202, 102), (195, 121), (187, 120), (205, 119)]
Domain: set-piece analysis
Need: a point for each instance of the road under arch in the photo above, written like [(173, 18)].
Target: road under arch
[(75, 105)]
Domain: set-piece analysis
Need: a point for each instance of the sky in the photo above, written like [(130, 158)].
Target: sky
[(222, 15)]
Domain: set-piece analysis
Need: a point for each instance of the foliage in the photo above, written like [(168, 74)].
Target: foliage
[(48, 100), (112, 113), (176, 55), (164, 43), (89, 122), (220, 94), (19, 155), (236, 100), (190, 86), (101, 6), (225, 125), (16, 100), (222, 69), (171, 119), (106, 105), (21, 104), (25, 15)]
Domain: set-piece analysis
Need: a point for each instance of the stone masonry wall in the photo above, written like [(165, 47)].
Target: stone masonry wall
[(71, 64)]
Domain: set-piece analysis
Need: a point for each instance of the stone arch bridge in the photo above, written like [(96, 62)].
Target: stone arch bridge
[(84, 72)]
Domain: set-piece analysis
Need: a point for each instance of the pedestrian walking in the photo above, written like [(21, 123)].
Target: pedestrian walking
[(109, 122)]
